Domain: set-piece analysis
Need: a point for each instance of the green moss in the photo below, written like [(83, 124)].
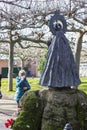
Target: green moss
[(26, 122), (59, 107), (51, 125), (30, 116), (82, 115)]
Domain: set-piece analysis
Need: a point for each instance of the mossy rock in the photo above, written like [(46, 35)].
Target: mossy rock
[(30, 116), (51, 109)]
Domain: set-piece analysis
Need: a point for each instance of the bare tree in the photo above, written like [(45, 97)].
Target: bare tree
[(27, 21), (29, 53), (10, 27), (77, 15)]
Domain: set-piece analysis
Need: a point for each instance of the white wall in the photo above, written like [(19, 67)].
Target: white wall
[(83, 69)]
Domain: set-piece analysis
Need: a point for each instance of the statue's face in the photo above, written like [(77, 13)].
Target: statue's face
[(57, 25)]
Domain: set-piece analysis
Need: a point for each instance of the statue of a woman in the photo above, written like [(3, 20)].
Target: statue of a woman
[(60, 69)]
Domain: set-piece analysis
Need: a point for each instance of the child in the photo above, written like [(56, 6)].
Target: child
[(22, 85)]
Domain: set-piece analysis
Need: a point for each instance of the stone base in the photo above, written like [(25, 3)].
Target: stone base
[(51, 109)]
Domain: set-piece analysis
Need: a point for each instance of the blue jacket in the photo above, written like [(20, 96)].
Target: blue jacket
[(20, 84)]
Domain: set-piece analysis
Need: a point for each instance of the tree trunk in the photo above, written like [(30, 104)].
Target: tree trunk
[(10, 67), (22, 63), (10, 63), (78, 49)]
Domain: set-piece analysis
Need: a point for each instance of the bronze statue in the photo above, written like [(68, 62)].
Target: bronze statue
[(60, 69)]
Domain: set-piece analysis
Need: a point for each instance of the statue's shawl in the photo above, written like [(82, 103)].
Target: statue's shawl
[(60, 69)]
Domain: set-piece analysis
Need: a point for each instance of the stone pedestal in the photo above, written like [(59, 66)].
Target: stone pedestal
[(51, 109)]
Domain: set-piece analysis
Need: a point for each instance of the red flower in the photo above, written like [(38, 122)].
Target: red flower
[(6, 125), (9, 122)]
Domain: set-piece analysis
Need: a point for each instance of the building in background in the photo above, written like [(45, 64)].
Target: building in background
[(30, 67)]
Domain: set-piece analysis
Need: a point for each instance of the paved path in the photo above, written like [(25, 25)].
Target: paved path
[(7, 108)]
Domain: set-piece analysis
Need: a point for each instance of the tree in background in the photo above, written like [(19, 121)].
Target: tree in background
[(41, 64), (27, 21)]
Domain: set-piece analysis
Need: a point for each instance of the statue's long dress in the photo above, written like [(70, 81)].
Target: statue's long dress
[(60, 69)]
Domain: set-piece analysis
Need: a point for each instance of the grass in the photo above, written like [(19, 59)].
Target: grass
[(83, 85), (34, 83)]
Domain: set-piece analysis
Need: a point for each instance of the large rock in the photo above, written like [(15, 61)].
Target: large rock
[(51, 109)]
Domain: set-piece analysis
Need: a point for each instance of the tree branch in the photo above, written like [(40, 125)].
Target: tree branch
[(11, 3), (79, 21), (28, 46), (4, 41), (32, 40)]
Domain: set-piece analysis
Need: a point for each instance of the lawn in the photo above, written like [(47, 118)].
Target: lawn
[(83, 85), (34, 83)]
